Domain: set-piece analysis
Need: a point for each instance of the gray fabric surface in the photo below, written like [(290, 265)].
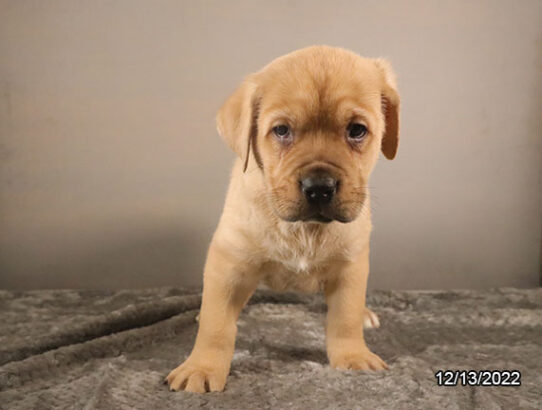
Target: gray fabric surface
[(111, 350)]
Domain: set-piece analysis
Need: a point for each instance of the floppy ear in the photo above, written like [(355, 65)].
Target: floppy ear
[(390, 108), (237, 119)]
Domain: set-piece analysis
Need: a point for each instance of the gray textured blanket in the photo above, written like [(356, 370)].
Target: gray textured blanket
[(112, 350)]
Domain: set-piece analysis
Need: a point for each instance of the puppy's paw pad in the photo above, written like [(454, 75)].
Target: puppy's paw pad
[(365, 360), (370, 319), (195, 379)]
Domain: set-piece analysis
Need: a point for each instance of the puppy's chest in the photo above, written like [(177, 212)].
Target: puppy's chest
[(299, 260)]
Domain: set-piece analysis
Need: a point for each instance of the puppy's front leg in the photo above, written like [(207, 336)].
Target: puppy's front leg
[(345, 297), (227, 286)]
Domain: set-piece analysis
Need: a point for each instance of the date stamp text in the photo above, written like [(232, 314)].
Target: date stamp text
[(478, 377)]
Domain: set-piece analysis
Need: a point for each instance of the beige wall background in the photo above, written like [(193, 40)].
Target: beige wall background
[(112, 174)]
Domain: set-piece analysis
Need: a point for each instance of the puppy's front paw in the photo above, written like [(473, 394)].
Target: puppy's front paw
[(197, 378), (359, 360)]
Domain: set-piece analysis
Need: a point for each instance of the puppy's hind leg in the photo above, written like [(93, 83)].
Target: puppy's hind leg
[(370, 319)]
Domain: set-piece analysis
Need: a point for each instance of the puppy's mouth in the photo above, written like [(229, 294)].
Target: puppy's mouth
[(319, 200), (322, 215), (318, 217)]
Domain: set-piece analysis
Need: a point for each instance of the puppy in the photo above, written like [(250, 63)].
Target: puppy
[(307, 129)]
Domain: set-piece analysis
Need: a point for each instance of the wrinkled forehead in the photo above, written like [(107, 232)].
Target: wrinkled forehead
[(319, 96)]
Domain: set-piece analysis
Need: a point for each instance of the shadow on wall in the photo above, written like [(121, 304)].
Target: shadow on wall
[(535, 125), (169, 257)]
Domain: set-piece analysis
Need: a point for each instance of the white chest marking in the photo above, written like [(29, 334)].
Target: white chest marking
[(303, 264)]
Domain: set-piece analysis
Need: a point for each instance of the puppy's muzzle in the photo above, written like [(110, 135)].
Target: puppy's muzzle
[(318, 190)]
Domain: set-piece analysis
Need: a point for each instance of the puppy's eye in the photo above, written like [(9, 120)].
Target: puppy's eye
[(283, 133), (356, 131)]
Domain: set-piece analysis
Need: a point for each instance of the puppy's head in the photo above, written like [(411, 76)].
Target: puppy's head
[(315, 121)]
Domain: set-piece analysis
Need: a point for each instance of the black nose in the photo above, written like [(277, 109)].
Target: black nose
[(319, 190)]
